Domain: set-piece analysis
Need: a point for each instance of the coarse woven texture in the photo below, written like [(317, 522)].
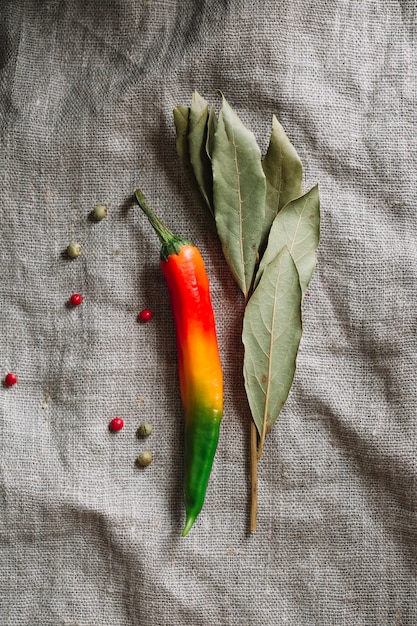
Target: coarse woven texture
[(86, 537)]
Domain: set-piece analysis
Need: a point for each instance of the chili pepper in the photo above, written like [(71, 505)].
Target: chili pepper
[(200, 372)]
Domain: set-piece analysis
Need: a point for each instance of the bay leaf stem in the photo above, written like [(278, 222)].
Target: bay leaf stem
[(262, 441), (253, 451), (253, 476)]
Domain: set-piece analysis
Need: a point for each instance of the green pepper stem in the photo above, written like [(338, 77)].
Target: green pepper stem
[(164, 234), (171, 244)]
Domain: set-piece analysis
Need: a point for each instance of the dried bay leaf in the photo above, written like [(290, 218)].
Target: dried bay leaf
[(284, 173), (182, 123), (197, 142), (296, 226), (198, 111), (239, 189), (272, 329), (211, 130), (264, 223)]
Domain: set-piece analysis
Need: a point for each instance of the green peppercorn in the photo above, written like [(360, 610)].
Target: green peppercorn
[(145, 429), (145, 458), (100, 212), (74, 249)]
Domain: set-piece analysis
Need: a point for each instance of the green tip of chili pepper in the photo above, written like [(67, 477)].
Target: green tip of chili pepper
[(188, 524), (171, 244)]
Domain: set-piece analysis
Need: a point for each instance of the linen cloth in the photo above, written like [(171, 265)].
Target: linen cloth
[(87, 537)]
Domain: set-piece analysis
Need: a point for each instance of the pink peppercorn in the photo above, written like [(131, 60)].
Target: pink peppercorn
[(76, 299), (10, 380), (145, 315), (116, 424)]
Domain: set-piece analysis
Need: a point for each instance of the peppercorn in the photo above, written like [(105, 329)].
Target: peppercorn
[(10, 380), (100, 212), (145, 315), (145, 429), (145, 458), (116, 424), (74, 250), (76, 299)]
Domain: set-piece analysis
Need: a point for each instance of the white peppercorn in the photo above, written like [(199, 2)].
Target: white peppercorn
[(145, 458), (74, 249), (100, 212)]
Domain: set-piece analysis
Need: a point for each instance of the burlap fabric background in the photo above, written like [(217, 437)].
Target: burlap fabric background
[(87, 538)]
